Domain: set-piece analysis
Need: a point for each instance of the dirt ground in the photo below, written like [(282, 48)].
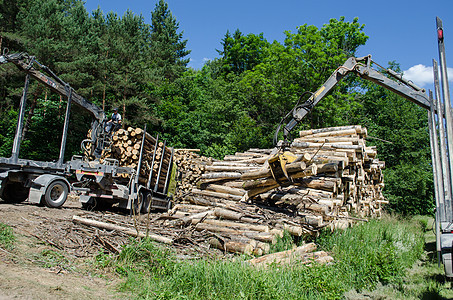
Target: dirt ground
[(53, 257), (48, 261)]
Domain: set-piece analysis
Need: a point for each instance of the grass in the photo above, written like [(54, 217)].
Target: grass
[(367, 256), (283, 243), (425, 279), (7, 237), (375, 252), (51, 258)]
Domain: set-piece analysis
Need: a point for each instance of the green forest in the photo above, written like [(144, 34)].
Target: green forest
[(233, 103)]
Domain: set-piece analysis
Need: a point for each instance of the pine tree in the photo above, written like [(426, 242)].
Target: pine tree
[(167, 47)]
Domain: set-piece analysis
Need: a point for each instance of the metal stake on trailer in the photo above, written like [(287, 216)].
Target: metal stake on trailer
[(437, 172), (20, 122)]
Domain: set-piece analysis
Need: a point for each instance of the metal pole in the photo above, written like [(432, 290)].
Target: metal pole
[(433, 158), (438, 190), (436, 155), (20, 122), (169, 170), (445, 92), (141, 155), (150, 177), (443, 146), (160, 167), (65, 128)]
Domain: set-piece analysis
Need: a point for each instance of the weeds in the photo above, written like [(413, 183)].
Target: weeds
[(283, 243), (377, 251), (7, 237)]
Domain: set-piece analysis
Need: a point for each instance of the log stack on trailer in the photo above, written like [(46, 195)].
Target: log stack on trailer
[(126, 146)]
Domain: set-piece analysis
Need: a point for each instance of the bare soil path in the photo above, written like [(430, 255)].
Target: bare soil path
[(39, 266)]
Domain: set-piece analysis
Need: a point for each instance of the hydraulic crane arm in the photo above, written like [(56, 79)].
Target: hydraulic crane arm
[(362, 68), (26, 63), (98, 139)]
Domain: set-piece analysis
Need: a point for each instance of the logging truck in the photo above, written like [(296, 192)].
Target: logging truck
[(98, 183), (442, 157)]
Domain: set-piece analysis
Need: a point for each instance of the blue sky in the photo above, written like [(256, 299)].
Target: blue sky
[(399, 30)]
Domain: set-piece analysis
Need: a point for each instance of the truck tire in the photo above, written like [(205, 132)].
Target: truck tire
[(146, 203), (15, 192), (138, 203), (56, 194), (98, 204)]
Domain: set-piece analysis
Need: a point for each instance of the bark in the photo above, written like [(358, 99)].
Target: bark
[(276, 258), (128, 231)]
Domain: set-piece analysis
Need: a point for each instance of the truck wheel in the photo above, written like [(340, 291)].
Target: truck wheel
[(56, 194), (15, 192), (169, 204), (138, 204), (97, 204), (147, 203)]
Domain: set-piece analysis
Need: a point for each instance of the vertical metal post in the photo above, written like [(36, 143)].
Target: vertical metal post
[(167, 178), (135, 204), (438, 188), (20, 122), (150, 177), (140, 159), (436, 155), (65, 128), (160, 167), (446, 175), (445, 92)]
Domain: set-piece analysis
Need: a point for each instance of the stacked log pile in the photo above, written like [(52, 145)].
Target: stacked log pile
[(126, 147), (358, 172), (190, 166), (337, 180)]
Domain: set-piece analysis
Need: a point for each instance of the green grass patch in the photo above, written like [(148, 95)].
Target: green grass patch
[(283, 243), (7, 237), (50, 258), (377, 252)]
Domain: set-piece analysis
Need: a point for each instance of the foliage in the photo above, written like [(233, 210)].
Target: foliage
[(106, 58), (136, 257), (283, 243), (241, 53), (49, 258), (7, 131), (303, 63), (167, 49)]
